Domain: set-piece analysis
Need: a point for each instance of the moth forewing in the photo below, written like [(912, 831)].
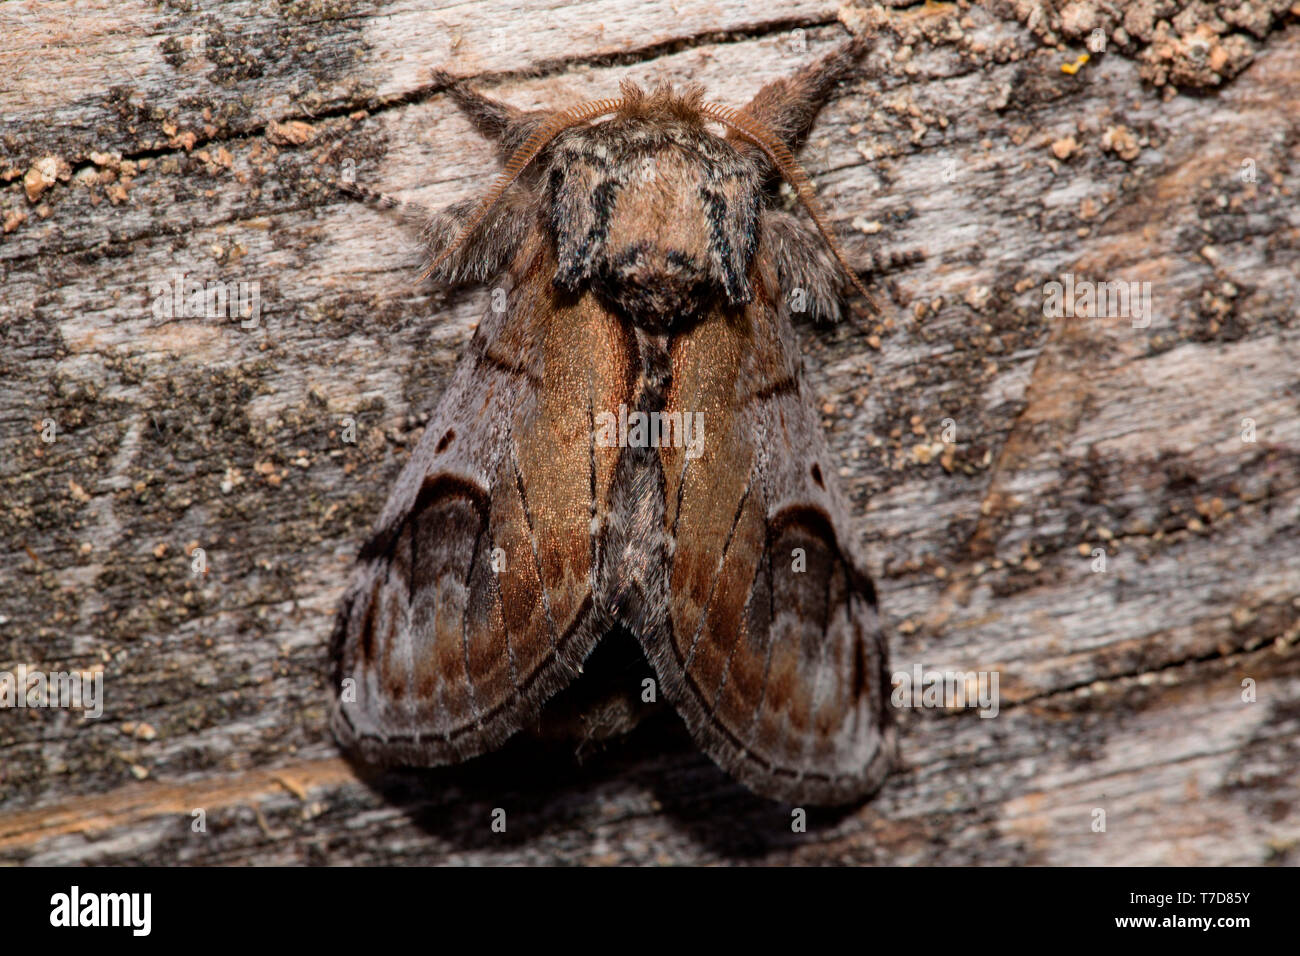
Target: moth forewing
[(775, 656), (471, 605)]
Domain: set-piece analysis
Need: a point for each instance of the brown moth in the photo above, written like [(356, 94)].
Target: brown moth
[(648, 279)]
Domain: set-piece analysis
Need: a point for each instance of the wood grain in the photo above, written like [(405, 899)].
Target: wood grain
[(200, 137)]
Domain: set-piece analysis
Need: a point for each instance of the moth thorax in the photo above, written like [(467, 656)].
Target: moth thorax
[(670, 232)]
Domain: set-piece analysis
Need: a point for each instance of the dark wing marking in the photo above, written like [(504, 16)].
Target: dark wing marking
[(779, 673), (471, 604)]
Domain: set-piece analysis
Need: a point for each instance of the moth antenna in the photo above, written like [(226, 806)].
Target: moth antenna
[(519, 161), (762, 137)]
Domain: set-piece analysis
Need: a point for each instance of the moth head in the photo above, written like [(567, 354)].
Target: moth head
[(651, 210)]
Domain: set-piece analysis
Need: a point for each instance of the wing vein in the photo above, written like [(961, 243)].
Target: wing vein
[(717, 575)]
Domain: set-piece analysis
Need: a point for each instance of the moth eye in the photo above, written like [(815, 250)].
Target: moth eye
[(446, 440), (817, 475)]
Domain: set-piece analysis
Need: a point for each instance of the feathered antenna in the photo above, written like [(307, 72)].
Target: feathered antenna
[(519, 161), (762, 137)]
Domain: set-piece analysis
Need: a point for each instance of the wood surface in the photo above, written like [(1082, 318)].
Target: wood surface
[(138, 139)]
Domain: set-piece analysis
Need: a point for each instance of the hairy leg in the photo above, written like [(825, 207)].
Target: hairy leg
[(808, 274), (484, 254), (491, 246), (803, 262)]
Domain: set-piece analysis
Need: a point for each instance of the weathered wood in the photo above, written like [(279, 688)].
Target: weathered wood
[(199, 137)]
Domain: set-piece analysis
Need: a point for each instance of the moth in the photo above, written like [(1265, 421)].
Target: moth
[(628, 445)]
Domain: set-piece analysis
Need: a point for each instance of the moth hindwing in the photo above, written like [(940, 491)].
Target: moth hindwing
[(629, 445)]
